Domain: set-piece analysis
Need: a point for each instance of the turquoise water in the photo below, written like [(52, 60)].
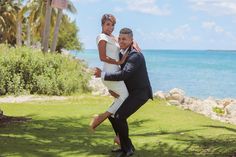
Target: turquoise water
[(199, 73)]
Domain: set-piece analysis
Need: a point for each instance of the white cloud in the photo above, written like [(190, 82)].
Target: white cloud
[(179, 33), (219, 29), (196, 38), (212, 26), (87, 1), (193, 18), (209, 25), (215, 7), (118, 9), (144, 6)]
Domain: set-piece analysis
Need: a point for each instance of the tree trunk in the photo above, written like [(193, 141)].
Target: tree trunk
[(46, 31), (28, 35), (18, 34), (1, 113), (19, 28), (56, 31)]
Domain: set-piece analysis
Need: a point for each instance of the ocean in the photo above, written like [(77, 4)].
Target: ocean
[(199, 73)]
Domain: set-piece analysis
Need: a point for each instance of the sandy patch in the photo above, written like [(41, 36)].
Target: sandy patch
[(26, 98)]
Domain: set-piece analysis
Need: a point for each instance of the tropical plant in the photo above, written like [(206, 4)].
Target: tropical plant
[(31, 14), (36, 10), (27, 70), (68, 38), (8, 18)]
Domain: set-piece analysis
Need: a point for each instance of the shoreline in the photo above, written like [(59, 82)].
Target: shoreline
[(223, 110)]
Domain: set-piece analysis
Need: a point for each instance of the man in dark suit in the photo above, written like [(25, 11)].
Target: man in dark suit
[(134, 73)]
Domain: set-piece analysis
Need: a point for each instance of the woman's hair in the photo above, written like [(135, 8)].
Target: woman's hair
[(109, 17)]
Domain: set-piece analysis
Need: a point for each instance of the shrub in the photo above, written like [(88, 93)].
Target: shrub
[(219, 111), (25, 70)]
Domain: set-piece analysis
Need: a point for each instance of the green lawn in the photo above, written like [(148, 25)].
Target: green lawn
[(60, 128)]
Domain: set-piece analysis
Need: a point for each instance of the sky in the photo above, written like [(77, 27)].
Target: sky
[(163, 24)]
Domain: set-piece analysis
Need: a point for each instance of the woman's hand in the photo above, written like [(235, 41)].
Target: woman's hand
[(97, 72), (136, 47), (123, 59)]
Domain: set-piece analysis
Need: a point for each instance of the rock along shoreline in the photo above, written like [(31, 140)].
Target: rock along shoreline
[(223, 110)]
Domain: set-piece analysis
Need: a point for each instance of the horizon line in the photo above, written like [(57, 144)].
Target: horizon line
[(178, 49)]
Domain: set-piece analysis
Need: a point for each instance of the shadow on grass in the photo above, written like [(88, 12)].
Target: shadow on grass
[(54, 137), (4, 120), (164, 150), (219, 146), (220, 127), (71, 137), (191, 146)]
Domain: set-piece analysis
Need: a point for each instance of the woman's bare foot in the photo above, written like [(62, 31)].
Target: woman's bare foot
[(117, 140)]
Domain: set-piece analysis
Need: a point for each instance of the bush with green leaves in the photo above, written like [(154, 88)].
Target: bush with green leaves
[(219, 111), (25, 70)]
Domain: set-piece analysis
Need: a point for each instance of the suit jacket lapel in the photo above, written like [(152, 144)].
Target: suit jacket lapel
[(128, 51)]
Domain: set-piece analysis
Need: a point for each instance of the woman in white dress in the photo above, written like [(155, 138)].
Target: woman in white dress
[(109, 49)]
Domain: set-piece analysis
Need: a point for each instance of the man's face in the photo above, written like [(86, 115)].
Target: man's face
[(125, 41)]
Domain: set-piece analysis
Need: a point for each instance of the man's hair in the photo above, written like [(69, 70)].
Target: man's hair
[(108, 17), (127, 31)]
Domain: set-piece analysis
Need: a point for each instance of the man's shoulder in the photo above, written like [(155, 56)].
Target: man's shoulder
[(134, 53), (132, 50), (135, 56)]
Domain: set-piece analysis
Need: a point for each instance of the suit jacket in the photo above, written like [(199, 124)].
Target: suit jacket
[(134, 73)]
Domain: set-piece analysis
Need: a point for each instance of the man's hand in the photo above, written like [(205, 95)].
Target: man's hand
[(113, 94), (97, 72)]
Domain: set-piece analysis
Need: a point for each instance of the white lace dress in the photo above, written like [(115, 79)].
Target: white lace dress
[(119, 87)]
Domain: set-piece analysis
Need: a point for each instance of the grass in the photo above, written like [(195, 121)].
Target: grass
[(60, 128)]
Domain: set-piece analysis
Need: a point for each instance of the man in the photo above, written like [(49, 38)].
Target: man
[(134, 73)]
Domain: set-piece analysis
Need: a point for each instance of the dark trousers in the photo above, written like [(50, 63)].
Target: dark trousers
[(119, 122)]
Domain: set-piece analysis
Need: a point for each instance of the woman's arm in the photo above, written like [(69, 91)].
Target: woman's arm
[(123, 59), (104, 57), (131, 66)]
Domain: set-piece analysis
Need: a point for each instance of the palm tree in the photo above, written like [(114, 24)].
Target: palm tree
[(35, 10), (8, 16), (71, 8), (36, 18), (28, 30), (56, 30), (19, 25), (46, 31)]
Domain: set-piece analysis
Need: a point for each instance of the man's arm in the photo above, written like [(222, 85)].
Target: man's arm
[(131, 66)]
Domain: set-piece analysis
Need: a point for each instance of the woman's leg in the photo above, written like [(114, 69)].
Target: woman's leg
[(98, 119)]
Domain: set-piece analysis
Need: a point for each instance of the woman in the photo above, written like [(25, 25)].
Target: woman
[(109, 49)]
